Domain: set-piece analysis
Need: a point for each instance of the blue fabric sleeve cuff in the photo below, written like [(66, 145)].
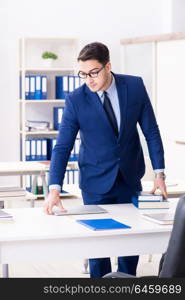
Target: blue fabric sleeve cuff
[(55, 187), (159, 170)]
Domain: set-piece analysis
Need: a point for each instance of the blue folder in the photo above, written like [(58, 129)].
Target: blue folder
[(57, 116), (61, 86), (38, 87), (103, 224)]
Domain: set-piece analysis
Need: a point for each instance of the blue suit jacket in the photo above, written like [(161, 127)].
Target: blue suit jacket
[(102, 154)]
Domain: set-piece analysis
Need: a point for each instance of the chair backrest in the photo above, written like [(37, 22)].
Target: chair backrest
[(174, 260)]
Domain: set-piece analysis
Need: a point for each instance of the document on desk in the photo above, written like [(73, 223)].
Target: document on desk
[(80, 210), (5, 215), (12, 191), (103, 224), (160, 218)]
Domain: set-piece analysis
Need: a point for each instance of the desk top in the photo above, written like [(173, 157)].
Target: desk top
[(28, 196), (27, 167), (172, 187), (19, 167), (70, 164), (34, 224)]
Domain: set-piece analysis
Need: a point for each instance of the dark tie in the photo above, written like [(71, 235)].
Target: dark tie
[(110, 113)]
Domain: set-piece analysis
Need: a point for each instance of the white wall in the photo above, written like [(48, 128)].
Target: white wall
[(99, 20), (178, 15), (89, 21)]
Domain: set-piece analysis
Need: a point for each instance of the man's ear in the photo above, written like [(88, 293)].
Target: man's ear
[(108, 67)]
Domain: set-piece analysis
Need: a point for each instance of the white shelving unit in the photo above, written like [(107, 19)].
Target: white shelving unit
[(40, 133), (32, 63)]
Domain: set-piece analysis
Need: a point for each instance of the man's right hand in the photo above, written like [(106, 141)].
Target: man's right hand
[(53, 199)]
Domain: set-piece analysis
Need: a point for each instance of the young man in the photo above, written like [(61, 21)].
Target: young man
[(106, 110)]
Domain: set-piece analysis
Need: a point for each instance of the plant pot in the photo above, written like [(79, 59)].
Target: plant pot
[(48, 62)]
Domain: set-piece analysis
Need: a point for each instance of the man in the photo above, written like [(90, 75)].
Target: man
[(106, 110)]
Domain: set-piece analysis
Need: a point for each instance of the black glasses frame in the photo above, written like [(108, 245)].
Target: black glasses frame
[(92, 74)]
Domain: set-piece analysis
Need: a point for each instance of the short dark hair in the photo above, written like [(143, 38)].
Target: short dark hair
[(97, 51)]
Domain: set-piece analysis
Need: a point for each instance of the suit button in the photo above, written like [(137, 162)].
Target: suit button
[(119, 159)]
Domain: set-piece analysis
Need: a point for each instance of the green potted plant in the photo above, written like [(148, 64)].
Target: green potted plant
[(49, 57)]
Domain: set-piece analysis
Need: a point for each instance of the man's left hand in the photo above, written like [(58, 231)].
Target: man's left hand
[(159, 183)]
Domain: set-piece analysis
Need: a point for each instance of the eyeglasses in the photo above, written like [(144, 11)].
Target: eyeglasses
[(92, 74)]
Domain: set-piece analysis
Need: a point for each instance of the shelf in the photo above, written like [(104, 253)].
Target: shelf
[(51, 132), (70, 165), (42, 69), (61, 101)]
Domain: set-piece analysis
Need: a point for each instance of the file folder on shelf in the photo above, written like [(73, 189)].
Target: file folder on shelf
[(38, 88), (50, 145), (32, 87), (44, 149), (33, 149), (44, 87), (76, 82), (28, 150), (57, 117), (27, 87), (62, 86), (71, 83), (38, 150)]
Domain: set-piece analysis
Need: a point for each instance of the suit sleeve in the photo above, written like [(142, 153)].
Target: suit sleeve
[(149, 127), (65, 141)]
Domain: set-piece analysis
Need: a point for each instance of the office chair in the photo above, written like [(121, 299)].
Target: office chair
[(172, 263)]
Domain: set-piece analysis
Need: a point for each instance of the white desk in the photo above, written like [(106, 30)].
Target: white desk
[(174, 190), (16, 168), (34, 236), (9, 200)]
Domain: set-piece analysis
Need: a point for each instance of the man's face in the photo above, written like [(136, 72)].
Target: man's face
[(98, 82)]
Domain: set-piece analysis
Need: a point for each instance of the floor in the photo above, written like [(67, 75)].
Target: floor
[(148, 265)]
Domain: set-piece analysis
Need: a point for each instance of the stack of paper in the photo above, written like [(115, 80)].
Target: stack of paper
[(165, 218), (144, 200), (12, 191), (37, 125), (5, 215)]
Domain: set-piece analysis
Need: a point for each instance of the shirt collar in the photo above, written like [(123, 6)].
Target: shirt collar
[(109, 90)]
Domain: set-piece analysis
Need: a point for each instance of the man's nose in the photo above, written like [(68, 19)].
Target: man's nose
[(89, 79)]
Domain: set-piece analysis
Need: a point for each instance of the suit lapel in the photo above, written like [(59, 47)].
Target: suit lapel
[(122, 96)]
